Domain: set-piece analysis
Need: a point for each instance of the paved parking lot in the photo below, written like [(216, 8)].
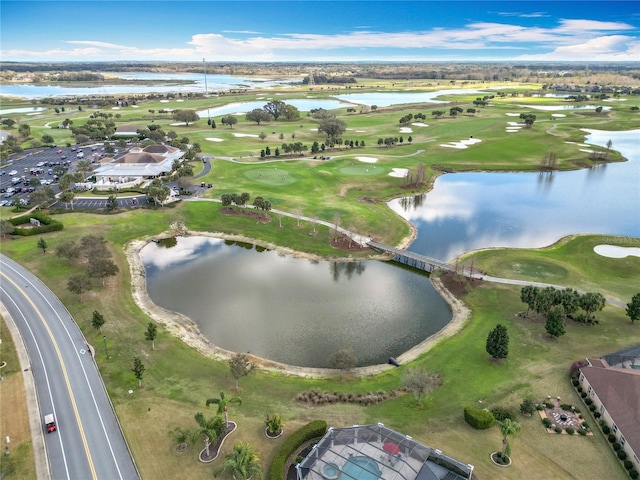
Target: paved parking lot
[(20, 168)]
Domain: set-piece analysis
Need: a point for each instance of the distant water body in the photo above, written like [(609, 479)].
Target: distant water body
[(214, 83)]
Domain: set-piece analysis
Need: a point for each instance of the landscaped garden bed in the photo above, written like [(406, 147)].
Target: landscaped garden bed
[(562, 418)]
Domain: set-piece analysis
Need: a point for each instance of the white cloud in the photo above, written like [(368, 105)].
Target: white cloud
[(607, 48), (568, 40)]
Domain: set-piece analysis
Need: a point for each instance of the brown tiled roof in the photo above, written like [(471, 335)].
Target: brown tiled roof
[(130, 128), (158, 148), (619, 390), (598, 362), (139, 157)]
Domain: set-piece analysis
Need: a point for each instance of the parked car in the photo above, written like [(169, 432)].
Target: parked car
[(13, 172), (59, 151)]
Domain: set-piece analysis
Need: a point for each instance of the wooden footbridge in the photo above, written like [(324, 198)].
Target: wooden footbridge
[(412, 259)]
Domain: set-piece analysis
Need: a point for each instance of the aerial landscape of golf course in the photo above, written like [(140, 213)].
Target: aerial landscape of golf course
[(321, 201)]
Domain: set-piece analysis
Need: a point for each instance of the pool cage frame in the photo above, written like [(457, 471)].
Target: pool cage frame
[(413, 460)]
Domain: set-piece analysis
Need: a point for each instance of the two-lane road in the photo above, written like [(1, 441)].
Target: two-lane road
[(89, 443)]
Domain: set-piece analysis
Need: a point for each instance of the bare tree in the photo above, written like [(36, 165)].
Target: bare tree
[(420, 382)]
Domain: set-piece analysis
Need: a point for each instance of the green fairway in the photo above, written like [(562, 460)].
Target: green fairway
[(272, 176)]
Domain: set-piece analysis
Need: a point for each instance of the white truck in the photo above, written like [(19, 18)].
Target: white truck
[(50, 423)]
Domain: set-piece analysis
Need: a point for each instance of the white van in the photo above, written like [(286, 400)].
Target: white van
[(50, 423)]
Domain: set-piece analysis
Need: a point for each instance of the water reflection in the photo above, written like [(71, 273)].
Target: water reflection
[(293, 310), (545, 180), (466, 211)]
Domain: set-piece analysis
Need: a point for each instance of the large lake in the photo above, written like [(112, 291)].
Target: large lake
[(300, 312), (214, 83), (467, 211)]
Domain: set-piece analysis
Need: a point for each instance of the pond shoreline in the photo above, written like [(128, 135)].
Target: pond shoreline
[(187, 330)]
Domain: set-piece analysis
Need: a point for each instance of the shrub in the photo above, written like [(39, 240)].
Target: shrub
[(616, 446), (549, 404), (611, 438), (546, 422), (628, 464), (622, 455), (633, 473), (606, 429), (582, 432), (583, 394), (500, 413), (310, 431), (558, 430), (586, 426), (539, 407), (592, 408), (570, 431), (575, 382), (47, 224), (588, 401), (527, 406), (597, 415), (478, 418), (565, 406), (580, 389)]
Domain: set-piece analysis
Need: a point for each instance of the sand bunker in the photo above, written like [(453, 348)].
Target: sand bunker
[(419, 124), (586, 150), (361, 131), (558, 115), (399, 172), (406, 130), (462, 143), (367, 159), (115, 108), (613, 251), (164, 101), (179, 124), (245, 135), (512, 114), (214, 139)]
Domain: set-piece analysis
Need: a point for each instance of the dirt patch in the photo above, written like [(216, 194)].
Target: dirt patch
[(257, 215), (458, 285), (346, 244)]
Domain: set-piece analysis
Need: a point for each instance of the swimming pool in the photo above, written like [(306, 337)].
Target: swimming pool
[(361, 468)]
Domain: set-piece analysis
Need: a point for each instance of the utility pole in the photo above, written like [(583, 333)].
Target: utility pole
[(206, 89), (104, 337)]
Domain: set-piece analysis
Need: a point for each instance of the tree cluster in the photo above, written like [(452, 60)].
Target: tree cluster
[(93, 253), (94, 129), (233, 198), (528, 119), (574, 305)]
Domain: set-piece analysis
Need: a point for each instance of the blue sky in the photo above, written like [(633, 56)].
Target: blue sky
[(320, 31)]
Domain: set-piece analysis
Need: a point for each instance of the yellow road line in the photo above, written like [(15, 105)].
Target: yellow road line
[(66, 376)]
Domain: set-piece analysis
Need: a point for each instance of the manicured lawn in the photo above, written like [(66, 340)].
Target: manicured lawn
[(571, 263)]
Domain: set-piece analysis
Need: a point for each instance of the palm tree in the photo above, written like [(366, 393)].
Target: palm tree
[(242, 462), (508, 428), (209, 428), (223, 404)]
